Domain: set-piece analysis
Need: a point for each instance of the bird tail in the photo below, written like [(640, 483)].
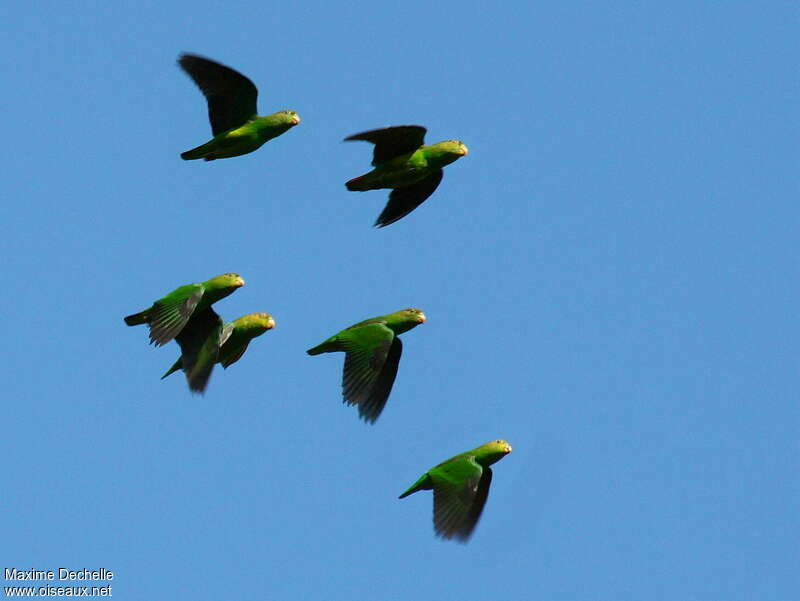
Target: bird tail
[(424, 483), (201, 152), (175, 367), (328, 346), (359, 184), (136, 319)]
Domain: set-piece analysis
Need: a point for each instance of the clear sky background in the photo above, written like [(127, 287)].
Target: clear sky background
[(610, 280)]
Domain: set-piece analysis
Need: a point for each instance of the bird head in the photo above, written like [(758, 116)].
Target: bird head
[(228, 280), (415, 316), (494, 450), (255, 324), (405, 319), (289, 118), (444, 153)]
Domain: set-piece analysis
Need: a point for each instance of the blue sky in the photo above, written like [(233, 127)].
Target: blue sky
[(610, 280)]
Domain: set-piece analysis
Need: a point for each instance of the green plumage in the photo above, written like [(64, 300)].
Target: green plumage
[(235, 123), (372, 355), (404, 164), (169, 315), (206, 341), (460, 489)]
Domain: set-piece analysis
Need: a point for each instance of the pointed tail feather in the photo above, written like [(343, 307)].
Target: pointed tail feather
[(358, 184), (198, 153), (424, 483), (175, 367), (329, 346), (136, 319)]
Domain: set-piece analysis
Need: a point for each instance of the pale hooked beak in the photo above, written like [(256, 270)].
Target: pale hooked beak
[(422, 318), (296, 120), (270, 323), (464, 150)]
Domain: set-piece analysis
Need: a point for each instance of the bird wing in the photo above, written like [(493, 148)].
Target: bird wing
[(460, 490), (370, 408), (231, 96), (235, 355), (404, 200), (199, 342), (370, 366), (227, 330), (392, 142), (169, 315)]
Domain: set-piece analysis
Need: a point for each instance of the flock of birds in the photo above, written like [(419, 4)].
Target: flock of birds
[(412, 171)]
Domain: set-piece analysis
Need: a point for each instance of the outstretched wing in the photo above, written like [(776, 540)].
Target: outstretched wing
[(231, 96), (404, 200), (391, 142), (169, 315), (370, 409), (199, 342), (370, 366), (460, 490)]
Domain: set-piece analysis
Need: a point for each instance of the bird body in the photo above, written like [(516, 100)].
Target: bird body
[(403, 164), (170, 314), (460, 488), (232, 101), (245, 138), (217, 343), (372, 356), (409, 168)]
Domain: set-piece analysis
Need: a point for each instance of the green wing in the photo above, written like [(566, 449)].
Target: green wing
[(228, 352), (231, 96), (460, 490), (169, 315), (200, 342), (392, 142), (370, 408), (370, 367), (404, 200), (226, 332), (233, 355)]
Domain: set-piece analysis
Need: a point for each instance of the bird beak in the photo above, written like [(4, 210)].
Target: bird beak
[(422, 318), (240, 283), (464, 151), (296, 120), (270, 323)]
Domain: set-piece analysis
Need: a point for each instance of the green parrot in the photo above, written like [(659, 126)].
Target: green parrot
[(235, 123), (206, 341), (169, 315), (372, 354), (460, 489), (402, 163)]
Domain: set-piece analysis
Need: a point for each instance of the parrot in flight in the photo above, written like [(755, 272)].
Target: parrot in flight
[(460, 489), (405, 165), (168, 316), (206, 341), (372, 355), (235, 124)]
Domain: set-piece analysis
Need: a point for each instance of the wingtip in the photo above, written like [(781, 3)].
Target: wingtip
[(368, 419), (379, 223), (198, 387)]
